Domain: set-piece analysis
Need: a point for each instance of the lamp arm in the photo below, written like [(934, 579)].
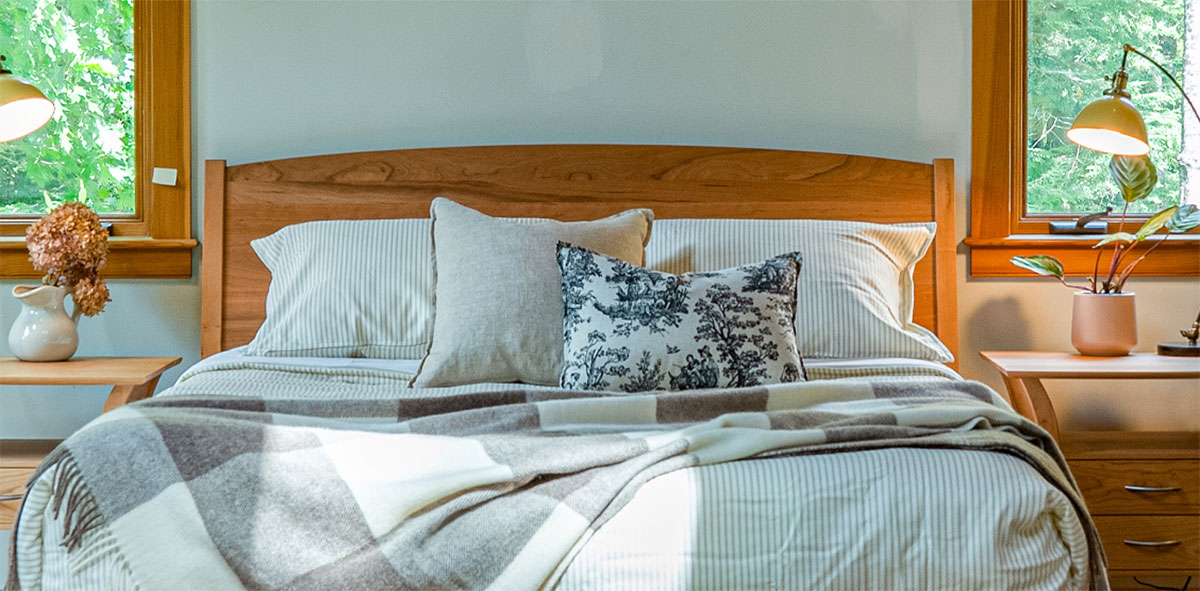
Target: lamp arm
[(1129, 48)]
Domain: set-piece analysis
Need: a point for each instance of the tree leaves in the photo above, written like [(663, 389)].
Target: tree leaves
[(80, 54), (1072, 46), (1134, 175)]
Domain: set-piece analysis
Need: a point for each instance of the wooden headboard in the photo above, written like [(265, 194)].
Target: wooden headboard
[(567, 182)]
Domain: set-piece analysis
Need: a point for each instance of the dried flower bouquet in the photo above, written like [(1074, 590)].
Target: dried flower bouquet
[(70, 246)]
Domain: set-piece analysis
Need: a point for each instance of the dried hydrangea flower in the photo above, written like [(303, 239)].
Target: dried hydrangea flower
[(90, 295), (70, 246)]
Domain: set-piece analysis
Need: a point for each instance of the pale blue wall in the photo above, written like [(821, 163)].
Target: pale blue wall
[(275, 79)]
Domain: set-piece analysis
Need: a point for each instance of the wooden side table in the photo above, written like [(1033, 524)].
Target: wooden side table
[(1141, 487), (1024, 371), (132, 379)]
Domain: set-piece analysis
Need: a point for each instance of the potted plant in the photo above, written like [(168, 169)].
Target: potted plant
[(1103, 320)]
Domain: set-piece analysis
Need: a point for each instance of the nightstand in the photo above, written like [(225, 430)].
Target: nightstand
[(1142, 488), (132, 379)]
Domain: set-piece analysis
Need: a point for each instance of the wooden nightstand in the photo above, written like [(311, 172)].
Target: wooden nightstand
[(132, 379), (1142, 488)]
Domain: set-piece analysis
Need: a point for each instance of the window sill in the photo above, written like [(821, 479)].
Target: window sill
[(989, 257), (128, 257)]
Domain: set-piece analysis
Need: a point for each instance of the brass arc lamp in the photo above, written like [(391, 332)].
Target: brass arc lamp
[(23, 108), (1112, 124)]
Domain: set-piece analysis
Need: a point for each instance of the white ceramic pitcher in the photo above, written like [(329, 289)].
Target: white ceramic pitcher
[(43, 330)]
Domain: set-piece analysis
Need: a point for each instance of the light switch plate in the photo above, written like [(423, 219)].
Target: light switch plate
[(165, 176)]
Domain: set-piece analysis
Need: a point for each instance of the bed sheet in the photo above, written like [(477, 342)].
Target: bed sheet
[(890, 518)]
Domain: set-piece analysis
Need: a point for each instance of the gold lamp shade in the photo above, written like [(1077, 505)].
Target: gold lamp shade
[(1111, 125), (23, 108)]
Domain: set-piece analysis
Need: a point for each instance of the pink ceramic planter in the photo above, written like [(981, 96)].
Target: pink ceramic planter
[(1103, 325)]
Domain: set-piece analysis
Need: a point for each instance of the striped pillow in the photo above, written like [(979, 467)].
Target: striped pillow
[(348, 288), (854, 292)]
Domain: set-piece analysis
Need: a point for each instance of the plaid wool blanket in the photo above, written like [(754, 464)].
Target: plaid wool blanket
[(471, 491)]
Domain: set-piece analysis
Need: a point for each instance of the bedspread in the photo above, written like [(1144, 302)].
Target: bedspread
[(466, 491)]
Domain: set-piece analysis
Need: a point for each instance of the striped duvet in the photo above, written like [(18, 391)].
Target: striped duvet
[(887, 518)]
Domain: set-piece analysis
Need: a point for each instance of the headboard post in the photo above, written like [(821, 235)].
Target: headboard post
[(212, 272), (944, 259)]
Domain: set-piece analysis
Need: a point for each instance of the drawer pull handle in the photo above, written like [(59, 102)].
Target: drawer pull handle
[(1152, 544), (1151, 489), (11, 497)]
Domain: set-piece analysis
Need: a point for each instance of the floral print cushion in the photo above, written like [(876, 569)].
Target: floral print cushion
[(631, 329)]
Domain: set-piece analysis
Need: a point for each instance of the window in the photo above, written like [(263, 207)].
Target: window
[(107, 160), (1022, 175)]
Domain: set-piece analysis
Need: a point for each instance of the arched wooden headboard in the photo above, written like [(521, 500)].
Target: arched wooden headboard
[(568, 182)]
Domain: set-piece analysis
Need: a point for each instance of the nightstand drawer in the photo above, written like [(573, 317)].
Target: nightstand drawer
[(1134, 580), (1139, 487), (1151, 542)]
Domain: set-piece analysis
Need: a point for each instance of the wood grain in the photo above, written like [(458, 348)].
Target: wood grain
[(127, 257), (1044, 364), (1179, 257), (997, 76), (1141, 580), (1131, 445), (1115, 529), (81, 371), (567, 182), (12, 482), (1103, 485), (213, 257), (18, 459)]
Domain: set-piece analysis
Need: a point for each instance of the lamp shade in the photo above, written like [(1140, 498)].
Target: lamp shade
[(23, 108), (1111, 125)]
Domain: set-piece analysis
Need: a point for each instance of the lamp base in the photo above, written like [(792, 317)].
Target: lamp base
[(1179, 349)]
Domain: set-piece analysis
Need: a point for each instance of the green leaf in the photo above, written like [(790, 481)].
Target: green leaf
[(1118, 237), (1156, 222), (1134, 175), (1186, 217), (1041, 264)]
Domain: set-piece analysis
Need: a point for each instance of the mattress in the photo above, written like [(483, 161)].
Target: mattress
[(895, 518)]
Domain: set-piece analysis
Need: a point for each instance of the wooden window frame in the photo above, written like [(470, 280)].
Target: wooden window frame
[(1000, 229), (157, 242)]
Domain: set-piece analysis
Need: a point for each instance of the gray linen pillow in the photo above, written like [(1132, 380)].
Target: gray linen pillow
[(498, 313)]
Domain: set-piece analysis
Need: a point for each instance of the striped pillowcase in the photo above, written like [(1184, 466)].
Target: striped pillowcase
[(854, 291), (348, 288)]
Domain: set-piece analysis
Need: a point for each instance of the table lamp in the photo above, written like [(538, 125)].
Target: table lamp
[(1112, 124), (23, 108)]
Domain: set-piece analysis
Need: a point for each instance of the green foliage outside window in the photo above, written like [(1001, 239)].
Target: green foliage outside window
[(1072, 46), (79, 53)]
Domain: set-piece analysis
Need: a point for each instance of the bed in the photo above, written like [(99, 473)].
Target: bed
[(860, 469)]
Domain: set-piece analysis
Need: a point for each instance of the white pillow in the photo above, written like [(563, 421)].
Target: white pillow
[(347, 288), (855, 289)]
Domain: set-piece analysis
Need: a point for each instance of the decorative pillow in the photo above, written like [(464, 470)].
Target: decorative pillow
[(347, 288), (632, 329), (497, 287), (854, 294)]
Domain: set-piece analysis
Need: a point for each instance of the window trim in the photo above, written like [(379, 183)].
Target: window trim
[(158, 242), (999, 227)]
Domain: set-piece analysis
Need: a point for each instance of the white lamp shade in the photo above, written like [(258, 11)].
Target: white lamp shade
[(23, 108), (1110, 125)]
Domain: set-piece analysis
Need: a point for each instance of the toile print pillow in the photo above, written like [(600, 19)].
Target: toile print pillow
[(630, 329)]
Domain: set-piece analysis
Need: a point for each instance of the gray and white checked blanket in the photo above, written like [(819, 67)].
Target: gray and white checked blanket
[(478, 490)]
